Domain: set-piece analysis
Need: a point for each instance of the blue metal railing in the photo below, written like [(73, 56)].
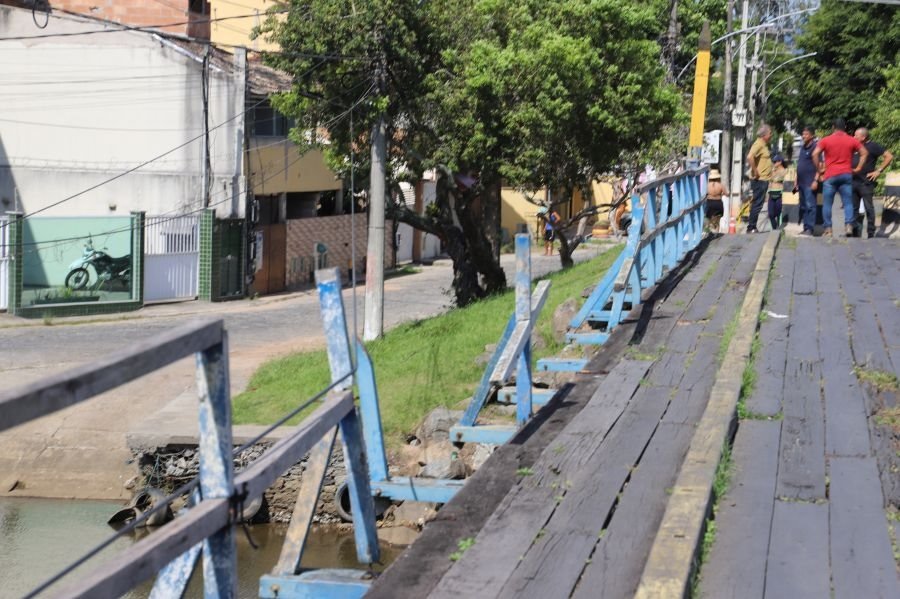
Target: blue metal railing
[(207, 530), (512, 355), (667, 223)]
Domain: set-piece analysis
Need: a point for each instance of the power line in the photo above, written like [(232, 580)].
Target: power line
[(66, 241), (123, 27)]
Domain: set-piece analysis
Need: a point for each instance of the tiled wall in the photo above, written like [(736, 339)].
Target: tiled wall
[(335, 233)]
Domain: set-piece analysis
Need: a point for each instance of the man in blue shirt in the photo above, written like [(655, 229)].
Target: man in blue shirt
[(807, 181)]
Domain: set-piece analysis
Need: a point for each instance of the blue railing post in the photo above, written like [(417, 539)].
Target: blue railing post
[(523, 314), (340, 358), (216, 465)]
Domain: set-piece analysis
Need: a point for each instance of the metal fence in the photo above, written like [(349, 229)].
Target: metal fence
[(171, 257), (4, 262)]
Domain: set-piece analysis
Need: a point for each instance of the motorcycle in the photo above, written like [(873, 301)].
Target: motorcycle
[(106, 267)]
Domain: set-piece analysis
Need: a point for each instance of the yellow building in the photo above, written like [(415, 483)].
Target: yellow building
[(236, 29), (518, 215)]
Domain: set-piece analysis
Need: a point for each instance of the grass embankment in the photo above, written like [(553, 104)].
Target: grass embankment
[(419, 365)]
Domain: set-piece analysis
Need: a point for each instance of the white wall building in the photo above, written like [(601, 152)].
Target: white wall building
[(79, 110)]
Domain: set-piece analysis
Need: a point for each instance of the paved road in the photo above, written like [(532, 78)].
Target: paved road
[(81, 452)]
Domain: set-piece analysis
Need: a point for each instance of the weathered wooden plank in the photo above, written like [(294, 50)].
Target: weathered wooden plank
[(718, 274), (801, 473), (770, 362), (882, 292), (846, 428), (886, 255), (520, 335), (669, 565), (305, 507), (804, 267), (798, 552), (618, 560), (58, 391), (862, 563), (736, 565), (586, 499), (865, 336), (522, 513), (691, 394)]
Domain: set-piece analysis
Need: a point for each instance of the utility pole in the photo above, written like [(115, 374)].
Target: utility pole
[(739, 120), (672, 40), (207, 162), (725, 150), (755, 66), (698, 109), (373, 326)]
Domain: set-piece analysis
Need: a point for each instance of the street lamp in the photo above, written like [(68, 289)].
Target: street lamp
[(759, 27), (790, 60)]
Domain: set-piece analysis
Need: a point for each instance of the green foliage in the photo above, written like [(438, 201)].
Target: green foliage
[(887, 112), (856, 42)]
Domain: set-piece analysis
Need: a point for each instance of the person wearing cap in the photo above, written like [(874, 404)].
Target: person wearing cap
[(550, 218), (776, 188), (837, 172), (714, 206)]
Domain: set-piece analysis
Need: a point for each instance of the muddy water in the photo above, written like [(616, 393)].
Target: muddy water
[(39, 537)]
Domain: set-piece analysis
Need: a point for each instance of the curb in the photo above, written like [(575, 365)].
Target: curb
[(672, 558)]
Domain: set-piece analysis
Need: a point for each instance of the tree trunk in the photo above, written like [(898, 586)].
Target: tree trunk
[(565, 249)]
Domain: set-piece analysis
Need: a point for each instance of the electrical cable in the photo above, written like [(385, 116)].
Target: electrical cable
[(64, 241)]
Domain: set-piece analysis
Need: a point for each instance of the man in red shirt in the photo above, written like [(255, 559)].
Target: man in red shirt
[(836, 171)]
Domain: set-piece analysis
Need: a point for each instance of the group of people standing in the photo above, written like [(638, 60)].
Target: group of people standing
[(836, 164)]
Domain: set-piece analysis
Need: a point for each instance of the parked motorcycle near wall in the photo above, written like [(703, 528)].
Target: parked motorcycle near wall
[(106, 267)]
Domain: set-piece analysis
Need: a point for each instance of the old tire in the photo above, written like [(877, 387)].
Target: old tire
[(342, 504)]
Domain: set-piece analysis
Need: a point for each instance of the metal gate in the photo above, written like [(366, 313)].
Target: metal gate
[(171, 257), (4, 262)]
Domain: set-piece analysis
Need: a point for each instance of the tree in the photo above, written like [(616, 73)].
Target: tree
[(529, 93), (854, 42), (887, 114)]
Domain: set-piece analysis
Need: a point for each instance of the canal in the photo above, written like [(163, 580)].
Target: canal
[(39, 537)]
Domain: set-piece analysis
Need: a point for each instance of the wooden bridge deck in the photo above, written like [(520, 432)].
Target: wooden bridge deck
[(572, 506), (804, 515)]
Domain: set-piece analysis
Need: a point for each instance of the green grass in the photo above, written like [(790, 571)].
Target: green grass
[(463, 545), (418, 365), (881, 380)]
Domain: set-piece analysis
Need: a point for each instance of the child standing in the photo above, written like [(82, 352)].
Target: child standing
[(776, 188)]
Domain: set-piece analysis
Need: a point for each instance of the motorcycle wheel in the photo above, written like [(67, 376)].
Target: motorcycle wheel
[(77, 279)]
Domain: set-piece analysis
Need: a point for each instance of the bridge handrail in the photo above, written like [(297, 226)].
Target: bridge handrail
[(151, 554), (667, 216), (58, 391), (173, 551)]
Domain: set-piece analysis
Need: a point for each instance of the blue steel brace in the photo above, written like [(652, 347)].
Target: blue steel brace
[(216, 481), (340, 357), (523, 315), (216, 466)]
